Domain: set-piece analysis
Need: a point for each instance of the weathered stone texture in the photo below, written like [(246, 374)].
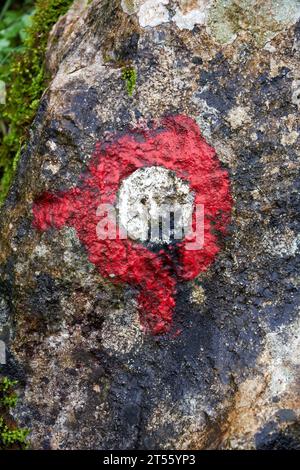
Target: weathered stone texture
[(89, 377)]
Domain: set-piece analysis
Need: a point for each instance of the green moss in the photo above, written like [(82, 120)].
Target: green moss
[(10, 435), (27, 80), (129, 75)]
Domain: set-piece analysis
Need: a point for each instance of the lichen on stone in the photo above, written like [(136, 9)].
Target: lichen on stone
[(227, 18)]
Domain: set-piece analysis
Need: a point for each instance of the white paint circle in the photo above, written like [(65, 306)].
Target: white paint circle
[(149, 200)]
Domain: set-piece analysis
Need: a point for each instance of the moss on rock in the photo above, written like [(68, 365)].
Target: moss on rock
[(27, 81), (129, 75), (11, 436)]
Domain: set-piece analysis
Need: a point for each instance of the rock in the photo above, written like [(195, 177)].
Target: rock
[(223, 371)]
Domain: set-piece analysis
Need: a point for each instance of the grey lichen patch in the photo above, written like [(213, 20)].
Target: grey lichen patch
[(286, 11), (191, 12), (122, 332), (238, 116), (261, 18), (224, 19), (284, 244), (289, 138), (208, 116)]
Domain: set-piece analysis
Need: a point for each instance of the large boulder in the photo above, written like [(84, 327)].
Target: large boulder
[(222, 371)]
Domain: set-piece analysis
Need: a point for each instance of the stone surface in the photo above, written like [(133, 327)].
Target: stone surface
[(89, 376), (147, 196)]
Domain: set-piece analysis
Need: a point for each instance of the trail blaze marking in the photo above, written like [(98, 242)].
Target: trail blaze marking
[(178, 146)]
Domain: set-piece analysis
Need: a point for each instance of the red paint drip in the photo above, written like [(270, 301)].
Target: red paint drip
[(177, 146)]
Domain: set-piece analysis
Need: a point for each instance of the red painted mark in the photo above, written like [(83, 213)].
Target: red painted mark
[(176, 145)]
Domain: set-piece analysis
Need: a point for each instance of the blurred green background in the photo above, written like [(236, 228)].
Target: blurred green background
[(24, 29), (15, 17)]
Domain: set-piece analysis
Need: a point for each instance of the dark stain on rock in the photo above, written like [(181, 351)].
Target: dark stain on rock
[(129, 47), (271, 437)]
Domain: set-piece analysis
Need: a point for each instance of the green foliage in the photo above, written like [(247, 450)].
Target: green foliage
[(8, 398), (129, 75), (26, 78), (6, 384), (14, 24), (10, 437)]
